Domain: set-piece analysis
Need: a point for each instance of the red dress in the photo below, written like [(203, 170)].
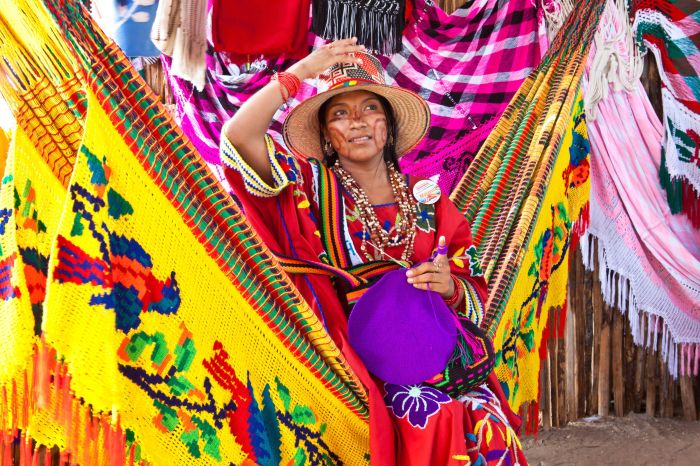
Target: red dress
[(409, 425)]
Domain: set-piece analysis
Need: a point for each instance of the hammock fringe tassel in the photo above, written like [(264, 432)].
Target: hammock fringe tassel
[(648, 329), (379, 29), (46, 388), (681, 194)]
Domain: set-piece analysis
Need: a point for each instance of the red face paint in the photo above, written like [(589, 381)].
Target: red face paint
[(356, 126)]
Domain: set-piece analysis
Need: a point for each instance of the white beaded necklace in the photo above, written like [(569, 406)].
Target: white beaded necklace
[(372, 231)]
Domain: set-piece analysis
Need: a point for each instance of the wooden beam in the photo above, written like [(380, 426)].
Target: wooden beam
[(690, 412), (651, 372), (618, 374), (639, 369), (629, 367), (571, 365), (604, 364), (547, 391), (598, 305), (561, 370), (665, 389)]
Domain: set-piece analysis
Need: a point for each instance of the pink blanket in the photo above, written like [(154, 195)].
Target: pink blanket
[(654, 254)]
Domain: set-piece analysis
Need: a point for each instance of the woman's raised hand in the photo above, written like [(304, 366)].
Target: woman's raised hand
[(434, 275), (324, 57)]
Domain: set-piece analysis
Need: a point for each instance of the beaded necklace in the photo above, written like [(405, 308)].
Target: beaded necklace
[(372, 231)]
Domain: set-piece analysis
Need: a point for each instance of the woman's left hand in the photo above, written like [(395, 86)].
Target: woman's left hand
[(434, 275)]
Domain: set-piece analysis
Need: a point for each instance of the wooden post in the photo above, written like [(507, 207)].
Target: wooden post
[(578, 297), (552, 349), (561, 369), (688, 396), (598, 305), (629, 366), (665, 389), (617, 361), (639, 367), (651, 381), (581, 329), (604, 364), (571, 366), (591, 371), (546, 394)]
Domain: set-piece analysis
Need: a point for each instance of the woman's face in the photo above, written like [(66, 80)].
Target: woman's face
[(356, 126)]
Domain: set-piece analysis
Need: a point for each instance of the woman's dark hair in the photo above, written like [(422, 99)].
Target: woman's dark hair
[(390, 155)]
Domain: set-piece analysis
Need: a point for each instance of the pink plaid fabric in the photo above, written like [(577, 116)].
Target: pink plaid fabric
[(467, 65)]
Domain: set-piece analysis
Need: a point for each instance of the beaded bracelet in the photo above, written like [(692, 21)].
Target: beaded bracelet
[(454, 299), (289, 83)]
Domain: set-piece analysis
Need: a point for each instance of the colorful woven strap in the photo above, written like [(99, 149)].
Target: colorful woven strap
[(354, 277), (332, 214)]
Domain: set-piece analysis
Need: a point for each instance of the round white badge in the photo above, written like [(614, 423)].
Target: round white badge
[(426, 192)]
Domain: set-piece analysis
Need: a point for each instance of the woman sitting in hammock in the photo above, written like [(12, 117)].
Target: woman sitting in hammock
[(341, 201)]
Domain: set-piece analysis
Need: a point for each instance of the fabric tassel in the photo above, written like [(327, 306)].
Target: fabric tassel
[(7, 447), (377, 24), (13, 407), (681, 195), (35, 456)]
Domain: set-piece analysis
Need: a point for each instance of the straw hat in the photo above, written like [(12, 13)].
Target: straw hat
[(302, 130)]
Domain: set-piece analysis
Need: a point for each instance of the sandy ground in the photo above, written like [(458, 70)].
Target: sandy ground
[(632, 440)]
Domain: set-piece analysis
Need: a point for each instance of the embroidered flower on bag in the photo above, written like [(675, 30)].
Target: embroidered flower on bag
[(416, 403)]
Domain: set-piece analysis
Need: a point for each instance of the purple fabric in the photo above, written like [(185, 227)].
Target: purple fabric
[(403, 335), (467, 66)]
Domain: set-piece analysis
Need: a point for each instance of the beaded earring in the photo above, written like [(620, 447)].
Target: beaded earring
[(327, 148)]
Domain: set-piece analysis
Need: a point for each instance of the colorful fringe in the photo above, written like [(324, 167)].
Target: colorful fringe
[(525, 195), (671, 31), (467, 65), (169, 332)]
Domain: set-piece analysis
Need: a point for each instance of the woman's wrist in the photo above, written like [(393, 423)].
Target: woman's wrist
[(456, 295), (299, 70)]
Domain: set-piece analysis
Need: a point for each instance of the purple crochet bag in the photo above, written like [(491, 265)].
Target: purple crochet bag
[(407, 336)]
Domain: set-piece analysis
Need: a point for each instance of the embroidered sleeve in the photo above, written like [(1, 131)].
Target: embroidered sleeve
[(285, 170), (472, 308)]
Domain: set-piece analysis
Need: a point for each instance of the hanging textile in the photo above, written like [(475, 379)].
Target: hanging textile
[(542, 278), (49, 112), (671, 31), (129, 23), (649, 260), (530, 177), (180, 31), (468, 66), (4, 147), (485, 52), (129, 368), (377, 24), (246, 31)]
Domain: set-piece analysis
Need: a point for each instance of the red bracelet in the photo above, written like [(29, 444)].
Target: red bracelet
[(289, 84), (454, 299)]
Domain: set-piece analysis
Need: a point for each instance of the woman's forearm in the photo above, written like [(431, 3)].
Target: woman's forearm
[(247, 128)]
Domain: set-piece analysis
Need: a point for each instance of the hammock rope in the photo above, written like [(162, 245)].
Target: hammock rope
[(501, 191)]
